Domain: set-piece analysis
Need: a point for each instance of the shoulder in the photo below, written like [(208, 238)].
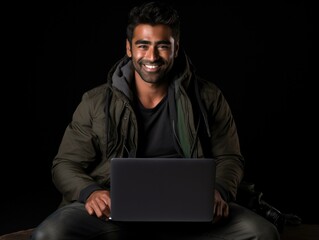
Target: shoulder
[(94, 100), (208, 89), (97, 94), (97, 91)]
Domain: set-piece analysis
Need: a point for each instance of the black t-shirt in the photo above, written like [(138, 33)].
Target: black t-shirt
[(156, 138)]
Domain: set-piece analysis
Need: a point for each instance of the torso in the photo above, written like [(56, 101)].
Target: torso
[(156, 137)]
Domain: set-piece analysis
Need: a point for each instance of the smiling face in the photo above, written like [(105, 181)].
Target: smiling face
[(153, 50)]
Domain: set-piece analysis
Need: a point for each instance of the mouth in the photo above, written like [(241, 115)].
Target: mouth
[(151, 67)]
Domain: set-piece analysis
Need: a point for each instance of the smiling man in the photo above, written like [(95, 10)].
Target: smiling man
[(152, 105)]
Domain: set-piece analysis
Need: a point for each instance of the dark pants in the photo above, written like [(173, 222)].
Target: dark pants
[(72, 222)]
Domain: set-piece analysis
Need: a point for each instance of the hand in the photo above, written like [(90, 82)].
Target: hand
[(99, 203), (221, 209)]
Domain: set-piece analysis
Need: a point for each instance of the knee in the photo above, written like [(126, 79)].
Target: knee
[(38, 234), (43, 233), (266, 231)]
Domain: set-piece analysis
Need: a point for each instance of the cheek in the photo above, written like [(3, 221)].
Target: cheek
[(137, 55), (169, 56)]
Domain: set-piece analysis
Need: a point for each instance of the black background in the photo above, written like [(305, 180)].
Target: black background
[(260, 53)]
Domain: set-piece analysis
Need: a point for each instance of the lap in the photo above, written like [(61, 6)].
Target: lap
[(73, 222)]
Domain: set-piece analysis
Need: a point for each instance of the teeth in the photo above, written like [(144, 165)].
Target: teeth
[(151, 66)]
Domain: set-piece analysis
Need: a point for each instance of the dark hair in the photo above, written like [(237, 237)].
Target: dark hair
[(153, 13)]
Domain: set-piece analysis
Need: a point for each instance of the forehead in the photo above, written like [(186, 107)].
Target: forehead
[(152, 32)]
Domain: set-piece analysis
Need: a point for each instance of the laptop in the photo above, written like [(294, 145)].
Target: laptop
[(162, 189)]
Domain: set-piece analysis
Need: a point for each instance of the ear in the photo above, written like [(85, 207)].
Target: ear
[(128, 49)]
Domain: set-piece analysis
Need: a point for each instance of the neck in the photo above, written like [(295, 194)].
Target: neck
[(150, 94)]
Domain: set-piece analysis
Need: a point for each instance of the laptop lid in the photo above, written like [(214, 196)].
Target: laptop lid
[(162, 189)]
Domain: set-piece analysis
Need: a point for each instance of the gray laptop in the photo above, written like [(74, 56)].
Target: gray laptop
[(162, 189)]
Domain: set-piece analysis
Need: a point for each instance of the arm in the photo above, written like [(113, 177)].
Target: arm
[(80, 166), (225, 147)]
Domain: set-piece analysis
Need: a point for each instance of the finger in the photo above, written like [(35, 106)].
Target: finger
[(220, 209), (89, 209), (97, 210), (109, 202), (226, 210), (93, 208), (105, 197), (104, 207), (215, 208)]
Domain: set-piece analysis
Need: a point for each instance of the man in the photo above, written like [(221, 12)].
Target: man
[(153, 105)]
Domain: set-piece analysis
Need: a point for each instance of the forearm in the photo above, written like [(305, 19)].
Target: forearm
[(229, 173)]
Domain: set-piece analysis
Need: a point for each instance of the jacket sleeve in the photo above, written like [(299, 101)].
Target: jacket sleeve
[(77, 154), (225, 145)]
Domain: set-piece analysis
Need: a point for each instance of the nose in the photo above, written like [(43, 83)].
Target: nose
[(152, 54)]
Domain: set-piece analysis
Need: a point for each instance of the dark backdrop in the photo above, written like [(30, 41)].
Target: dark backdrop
[(259, 54)]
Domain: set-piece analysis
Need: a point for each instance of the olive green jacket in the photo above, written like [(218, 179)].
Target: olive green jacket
[(104, 126)]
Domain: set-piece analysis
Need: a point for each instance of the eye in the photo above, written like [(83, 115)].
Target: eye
[(142, 46), (163, 46)]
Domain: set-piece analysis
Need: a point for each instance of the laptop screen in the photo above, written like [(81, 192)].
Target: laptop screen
[(162, 189)]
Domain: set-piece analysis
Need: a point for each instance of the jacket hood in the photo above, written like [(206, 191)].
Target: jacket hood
[(121, 76)]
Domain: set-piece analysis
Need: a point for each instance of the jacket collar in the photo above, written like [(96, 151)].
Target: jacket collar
[(121, 76)]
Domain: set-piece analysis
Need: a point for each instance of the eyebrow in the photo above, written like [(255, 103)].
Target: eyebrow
[(148, 42)]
